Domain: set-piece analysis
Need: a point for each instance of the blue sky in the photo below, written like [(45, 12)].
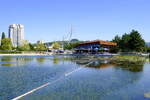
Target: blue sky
[(50, 20)]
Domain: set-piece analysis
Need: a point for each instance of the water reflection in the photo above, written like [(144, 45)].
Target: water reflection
[(107, 63), (7, 65), (116, 81), (56, 60), (6, 59), (110, 84), (15, 61), (40, 60), (132, 68), (96, 63)]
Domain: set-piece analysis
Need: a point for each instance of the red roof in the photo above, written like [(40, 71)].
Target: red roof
[(99, 42)]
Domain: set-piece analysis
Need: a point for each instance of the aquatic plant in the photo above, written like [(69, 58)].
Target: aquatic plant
[(147, 95), (128, 60)]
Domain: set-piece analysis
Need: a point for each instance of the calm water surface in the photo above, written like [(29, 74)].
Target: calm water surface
[(97, 80)]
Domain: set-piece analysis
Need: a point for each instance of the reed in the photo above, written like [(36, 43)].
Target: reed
[(128, 60)]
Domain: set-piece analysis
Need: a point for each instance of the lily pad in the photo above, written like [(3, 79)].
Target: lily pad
[(147, 95)]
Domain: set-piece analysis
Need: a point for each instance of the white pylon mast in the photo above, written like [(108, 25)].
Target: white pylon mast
[(70, 34)]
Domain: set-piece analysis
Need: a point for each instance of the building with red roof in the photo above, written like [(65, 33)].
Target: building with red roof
[(98, 46)]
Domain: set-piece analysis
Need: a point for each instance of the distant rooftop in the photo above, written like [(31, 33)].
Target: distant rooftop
[(14, 25), (99, 42)]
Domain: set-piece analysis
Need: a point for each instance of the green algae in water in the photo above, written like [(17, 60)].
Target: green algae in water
[(147, 95)]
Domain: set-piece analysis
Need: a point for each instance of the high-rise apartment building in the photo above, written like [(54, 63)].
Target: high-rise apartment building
[(16, 33)]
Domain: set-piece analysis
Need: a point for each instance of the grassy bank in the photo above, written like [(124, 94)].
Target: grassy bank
[(10, 52)]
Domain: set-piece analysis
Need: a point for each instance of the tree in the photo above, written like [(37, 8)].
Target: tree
[(40, 47), (6, 44), (136, 42), (124, 43), (3, 35), (25, 46), (31, 46), (148, 49), (56, 45), (132, 42), (69, 46), (117, 40), (74, 40)]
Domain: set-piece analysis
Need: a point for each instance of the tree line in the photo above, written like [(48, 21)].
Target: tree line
[(128, 42), (6, 45)]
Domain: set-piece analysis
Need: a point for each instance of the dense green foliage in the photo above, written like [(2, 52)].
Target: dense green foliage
[(136, 42), (148, 49), (28, 47), (3, 35), (31, 47), (69, 46), (9, 52), (6, 44), (74, 40), (40, 47), (25, 46), (125, 42), (132, 42), (56, 45), (117, 39)]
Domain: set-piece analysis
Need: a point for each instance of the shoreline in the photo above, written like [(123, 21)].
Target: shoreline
[(49, 54), (1, 55)]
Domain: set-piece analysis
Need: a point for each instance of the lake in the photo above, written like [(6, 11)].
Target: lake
[(71, 78)]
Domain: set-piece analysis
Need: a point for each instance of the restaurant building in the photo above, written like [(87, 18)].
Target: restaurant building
[(93, 47)]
